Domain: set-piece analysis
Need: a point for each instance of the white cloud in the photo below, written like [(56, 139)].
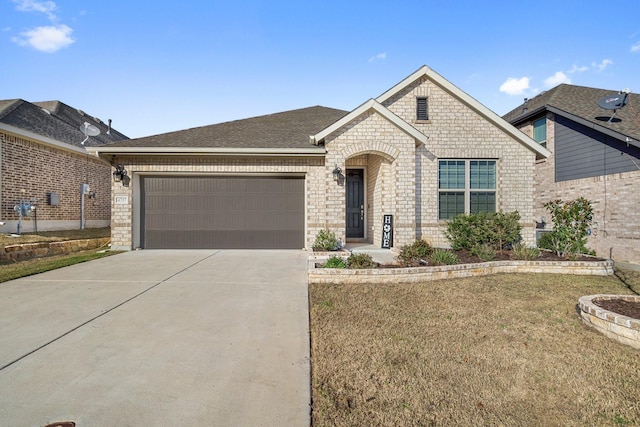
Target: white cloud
[(46, 7), (556, 79), (381, 57), (602, 65), (578, 69), (635, 48), (515, 86), (46, 39)]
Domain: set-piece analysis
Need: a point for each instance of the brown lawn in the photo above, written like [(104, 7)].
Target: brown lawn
[(53, 236), (502, 350)]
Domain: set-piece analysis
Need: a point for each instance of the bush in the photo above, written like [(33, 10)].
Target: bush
[(521, 251), (443, 257), (411, 255), (546, 241), (496, 229), (335, 262), (485, 252), (571, 220), (360, 260), (326, 241)]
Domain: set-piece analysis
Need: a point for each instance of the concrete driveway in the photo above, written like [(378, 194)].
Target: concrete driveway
[(149, 338)]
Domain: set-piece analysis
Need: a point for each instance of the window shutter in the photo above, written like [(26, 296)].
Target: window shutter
[(422, 110)]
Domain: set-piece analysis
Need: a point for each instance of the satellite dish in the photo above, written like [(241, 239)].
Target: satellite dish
[(614, 102), (89, 130)]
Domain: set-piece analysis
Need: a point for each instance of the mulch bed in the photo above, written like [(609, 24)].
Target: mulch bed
[(620, 306)]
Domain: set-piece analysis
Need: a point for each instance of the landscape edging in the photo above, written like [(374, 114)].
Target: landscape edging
[(421, 274)]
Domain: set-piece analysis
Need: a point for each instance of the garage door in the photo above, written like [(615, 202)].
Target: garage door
[(222, 212)]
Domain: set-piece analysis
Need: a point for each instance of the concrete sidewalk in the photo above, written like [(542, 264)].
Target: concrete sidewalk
[(148, 338)]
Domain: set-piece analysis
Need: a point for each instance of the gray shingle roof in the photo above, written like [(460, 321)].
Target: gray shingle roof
[(55, 120), (289, 129), (582, 102)]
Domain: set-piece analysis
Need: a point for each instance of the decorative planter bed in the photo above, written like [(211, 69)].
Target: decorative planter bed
[(420, 274), (26, 251), (615, 326)]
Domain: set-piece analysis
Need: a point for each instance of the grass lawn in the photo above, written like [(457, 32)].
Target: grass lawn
[(501, 350)]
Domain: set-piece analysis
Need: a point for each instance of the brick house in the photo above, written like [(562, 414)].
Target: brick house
[(593, 157), (422, 152), (44, 164)]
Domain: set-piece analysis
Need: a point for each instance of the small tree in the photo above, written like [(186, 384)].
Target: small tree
[(571, 221)]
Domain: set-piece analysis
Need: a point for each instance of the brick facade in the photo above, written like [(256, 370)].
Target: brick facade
[(400, 172), (616, 223), (40, 169)]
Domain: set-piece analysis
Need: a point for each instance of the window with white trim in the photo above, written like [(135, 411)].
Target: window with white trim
[(466, 186)]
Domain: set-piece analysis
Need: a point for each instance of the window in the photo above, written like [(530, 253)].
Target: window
[(466, 186), (422, 110), (540, 131)]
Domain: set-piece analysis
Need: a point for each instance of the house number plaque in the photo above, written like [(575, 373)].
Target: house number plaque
[(387, 231), (122, 200)]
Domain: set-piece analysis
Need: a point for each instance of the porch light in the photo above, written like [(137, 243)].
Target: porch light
[(337, 174), (120, 175)]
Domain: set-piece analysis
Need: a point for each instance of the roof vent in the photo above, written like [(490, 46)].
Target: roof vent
[(525, 106)]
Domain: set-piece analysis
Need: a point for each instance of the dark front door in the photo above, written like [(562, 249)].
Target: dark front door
[(355, 203)]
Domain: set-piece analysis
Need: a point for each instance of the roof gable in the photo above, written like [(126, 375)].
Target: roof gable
[(580, 104), (374, 105), (470, 102)]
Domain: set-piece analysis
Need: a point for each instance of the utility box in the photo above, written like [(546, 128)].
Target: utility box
[(85, 189), (53, 199)]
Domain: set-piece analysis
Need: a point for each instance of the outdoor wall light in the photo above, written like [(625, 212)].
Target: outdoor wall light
[(337, 174), (120, 175)]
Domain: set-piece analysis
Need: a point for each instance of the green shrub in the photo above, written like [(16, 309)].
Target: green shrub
[(411, 255), (360, 260), (326, 241), (521, 251), (443, 257), (571, 220), (496, 229), (335, 262), (485, 252), (545, 241)]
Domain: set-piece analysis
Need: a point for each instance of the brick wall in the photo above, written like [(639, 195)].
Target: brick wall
[(39, 169), (616, 227), (456, 131)]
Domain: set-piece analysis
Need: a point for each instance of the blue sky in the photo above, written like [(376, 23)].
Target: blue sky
[(156, 68)]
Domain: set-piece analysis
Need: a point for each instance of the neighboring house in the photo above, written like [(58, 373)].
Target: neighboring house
[(422, 152), (593, 157), (44, 164)]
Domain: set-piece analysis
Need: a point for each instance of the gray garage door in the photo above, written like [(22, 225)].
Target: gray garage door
[(222, 212)]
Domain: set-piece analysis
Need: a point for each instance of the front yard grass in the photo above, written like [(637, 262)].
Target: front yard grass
[(501, 350)]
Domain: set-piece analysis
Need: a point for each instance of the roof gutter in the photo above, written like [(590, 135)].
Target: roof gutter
[(607, 131), (42, 139), (207, 151)]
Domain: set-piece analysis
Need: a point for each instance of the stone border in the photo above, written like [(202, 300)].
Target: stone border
[(26, 251), (623, 329), (421, 274)]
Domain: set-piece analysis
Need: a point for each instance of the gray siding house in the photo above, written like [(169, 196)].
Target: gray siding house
[(592, 156)]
